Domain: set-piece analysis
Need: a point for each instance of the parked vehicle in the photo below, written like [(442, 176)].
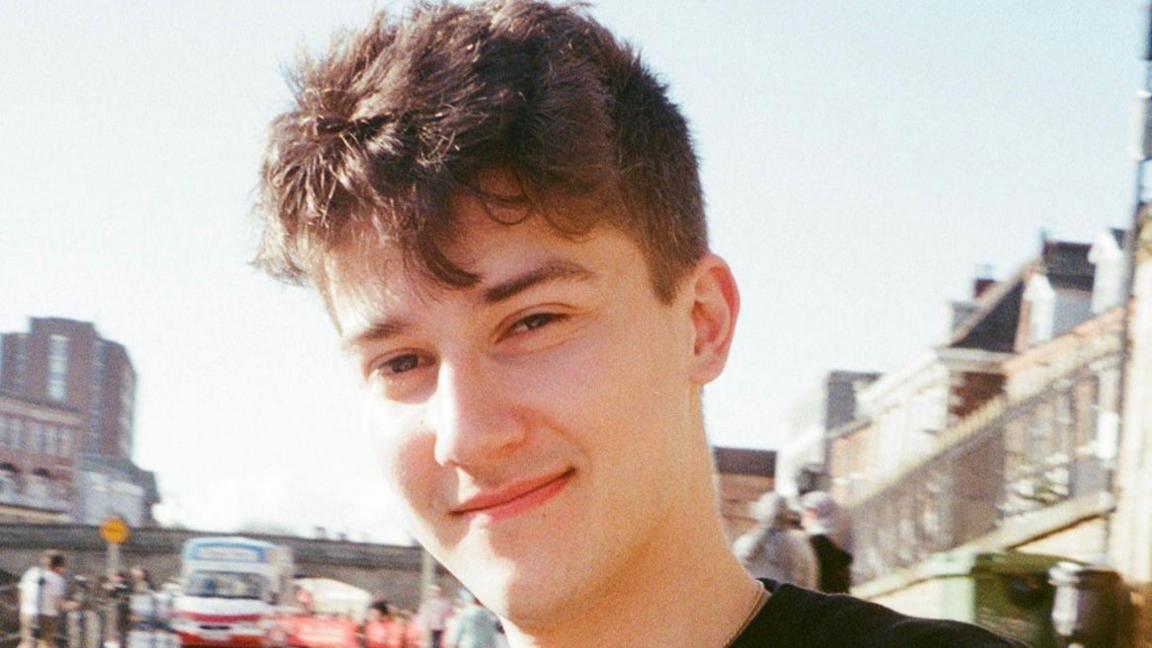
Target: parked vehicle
[(332, 617), (232, 591)]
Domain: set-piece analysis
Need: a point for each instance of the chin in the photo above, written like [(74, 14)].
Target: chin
[(523, 594)]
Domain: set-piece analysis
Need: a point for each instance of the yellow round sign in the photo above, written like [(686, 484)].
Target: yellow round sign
[(114, 531)]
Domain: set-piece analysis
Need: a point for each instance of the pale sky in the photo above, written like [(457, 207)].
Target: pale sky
[(859, 160)]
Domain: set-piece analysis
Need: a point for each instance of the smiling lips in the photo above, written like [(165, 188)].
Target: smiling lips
[(514, 499)]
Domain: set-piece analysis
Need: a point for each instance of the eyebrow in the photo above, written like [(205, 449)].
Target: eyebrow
[(551, 271), (375, 332)]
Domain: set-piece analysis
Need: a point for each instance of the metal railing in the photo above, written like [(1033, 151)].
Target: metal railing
[(1004, 463)]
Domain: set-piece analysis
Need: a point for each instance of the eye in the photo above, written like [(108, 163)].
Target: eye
[(400, 364), (533, 322)]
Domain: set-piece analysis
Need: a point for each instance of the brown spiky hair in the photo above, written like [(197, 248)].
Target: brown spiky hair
[(398, 119)]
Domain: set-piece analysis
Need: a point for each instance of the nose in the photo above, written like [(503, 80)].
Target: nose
[(473, 418)]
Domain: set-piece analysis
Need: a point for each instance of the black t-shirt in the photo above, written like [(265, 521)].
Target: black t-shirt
[(798, 618)]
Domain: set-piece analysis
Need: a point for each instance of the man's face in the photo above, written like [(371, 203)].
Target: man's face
[(536, 425)]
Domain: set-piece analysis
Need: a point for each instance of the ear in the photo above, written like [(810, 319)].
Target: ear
[(715, 306)]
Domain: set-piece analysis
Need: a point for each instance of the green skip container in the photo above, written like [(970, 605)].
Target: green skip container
[(1007, 592)]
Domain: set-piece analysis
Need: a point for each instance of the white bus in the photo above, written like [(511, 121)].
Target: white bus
[(232, 588)]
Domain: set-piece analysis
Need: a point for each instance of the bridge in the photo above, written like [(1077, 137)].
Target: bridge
[(391, 570)]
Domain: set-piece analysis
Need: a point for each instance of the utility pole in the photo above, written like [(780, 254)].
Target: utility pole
[(115, 532), (427, 573), (1143, 155)]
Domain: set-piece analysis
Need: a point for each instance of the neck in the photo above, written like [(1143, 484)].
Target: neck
[(685, 589)]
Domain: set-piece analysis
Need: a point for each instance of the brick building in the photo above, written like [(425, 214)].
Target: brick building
[(812, 423), (741, 476), (1004, 437), (37, 442), (67, 402)]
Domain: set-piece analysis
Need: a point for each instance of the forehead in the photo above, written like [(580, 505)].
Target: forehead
[(490, 207), (371, 278), (475, 230)]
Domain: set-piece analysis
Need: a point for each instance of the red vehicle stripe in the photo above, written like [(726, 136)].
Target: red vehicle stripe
[(221, 618)]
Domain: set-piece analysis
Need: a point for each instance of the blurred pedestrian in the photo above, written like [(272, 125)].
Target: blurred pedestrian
[(146, 610), (80, 591), (386, 627), (117, 592), (381, 605), (305, 602), (831, 538), (378, 627), (776, 549), (434, 614), (395, 626), (43, 597), (413, 630), (140, 581), (473, 626)]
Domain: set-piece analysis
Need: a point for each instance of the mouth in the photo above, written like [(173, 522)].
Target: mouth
[(514, 499)]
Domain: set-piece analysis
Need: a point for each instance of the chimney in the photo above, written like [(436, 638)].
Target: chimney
[(1108, 275), (983, 280), (961, 312)]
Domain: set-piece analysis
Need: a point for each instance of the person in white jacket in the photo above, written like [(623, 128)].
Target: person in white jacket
[(775, 549), (43, 592)]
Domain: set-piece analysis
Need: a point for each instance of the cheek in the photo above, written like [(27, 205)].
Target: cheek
[(405, 450), (569, 383), (606, 386)]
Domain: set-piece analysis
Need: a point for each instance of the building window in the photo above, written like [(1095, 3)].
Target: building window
[(65, 442), (35, 440), (5, 424), (39, 485), (21, 362), (9, 481), (96, 417), (14, 433), (127, 391), (58, 367)]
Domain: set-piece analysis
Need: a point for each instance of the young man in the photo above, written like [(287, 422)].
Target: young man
[(501, 209)]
